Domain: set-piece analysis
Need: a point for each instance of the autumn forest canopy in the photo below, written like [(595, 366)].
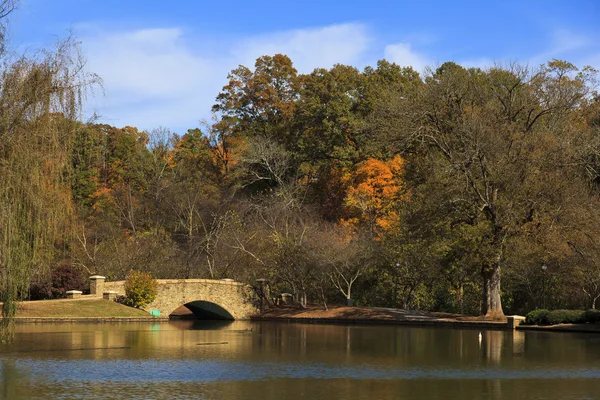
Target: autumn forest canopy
[(459, 190)]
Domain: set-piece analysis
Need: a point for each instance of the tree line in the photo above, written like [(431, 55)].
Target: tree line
[(380, 186), (459, 190)]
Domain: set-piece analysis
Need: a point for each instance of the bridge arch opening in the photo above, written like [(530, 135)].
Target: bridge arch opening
[(201, 309)]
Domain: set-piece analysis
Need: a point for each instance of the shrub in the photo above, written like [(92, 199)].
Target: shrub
[(536, 317), (565, 317), (140, 289), (65, 277), (591, 316), (55, 284), (40, 288)]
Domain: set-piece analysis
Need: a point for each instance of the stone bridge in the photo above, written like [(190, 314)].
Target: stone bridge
[(206, 298)]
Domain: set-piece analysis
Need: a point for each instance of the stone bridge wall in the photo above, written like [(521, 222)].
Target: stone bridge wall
[(234, 297)]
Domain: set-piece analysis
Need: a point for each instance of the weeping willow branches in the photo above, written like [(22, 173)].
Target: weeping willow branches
[(40, 100)]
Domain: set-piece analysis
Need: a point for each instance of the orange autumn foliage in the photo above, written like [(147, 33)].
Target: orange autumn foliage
[(374, 189)]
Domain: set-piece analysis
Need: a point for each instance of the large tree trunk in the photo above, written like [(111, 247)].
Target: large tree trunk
[(492, 305)]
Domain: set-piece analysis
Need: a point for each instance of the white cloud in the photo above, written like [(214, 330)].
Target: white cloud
[(156, 77), (309, 48), (403, 55), (149, 62), (150, 77)]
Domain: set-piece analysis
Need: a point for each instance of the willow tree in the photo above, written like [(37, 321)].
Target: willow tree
[(40, 100)]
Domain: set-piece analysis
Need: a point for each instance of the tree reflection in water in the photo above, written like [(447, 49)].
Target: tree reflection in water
[(240, 360)]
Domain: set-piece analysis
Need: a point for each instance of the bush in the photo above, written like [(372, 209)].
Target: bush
[(545, 317), (536, 317), (55, 285), (140, 289), (591, 316), (565, 317), (40, 288), (64, 278)]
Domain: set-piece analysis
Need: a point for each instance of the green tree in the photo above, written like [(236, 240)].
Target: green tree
[(487, 137), (260, 102), (140, 289)]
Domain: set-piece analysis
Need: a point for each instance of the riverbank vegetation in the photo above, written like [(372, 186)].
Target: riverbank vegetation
[(547, 317), (458, 190)]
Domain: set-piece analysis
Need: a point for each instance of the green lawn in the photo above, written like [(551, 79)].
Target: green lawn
[(97, 308)]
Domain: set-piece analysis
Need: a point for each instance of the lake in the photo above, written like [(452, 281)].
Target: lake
[(283, 361)]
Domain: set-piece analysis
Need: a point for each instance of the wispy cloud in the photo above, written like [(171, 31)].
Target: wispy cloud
[(565, 44), (565, 40), (155, 77), (309, 48), (404, 55), (151, 77)]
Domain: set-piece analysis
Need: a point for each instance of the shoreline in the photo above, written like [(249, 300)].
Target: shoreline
[(378, 316), (338, 315), (398, 317), (483, 325), (576, 328), (36, 320)]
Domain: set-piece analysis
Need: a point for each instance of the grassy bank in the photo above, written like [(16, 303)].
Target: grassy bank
[(88, 308)]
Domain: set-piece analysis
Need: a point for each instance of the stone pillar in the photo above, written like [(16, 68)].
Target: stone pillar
[(514, 320), (97, 285), (110, 295), (73, 294)]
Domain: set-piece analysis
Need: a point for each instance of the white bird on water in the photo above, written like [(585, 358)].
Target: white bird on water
[(480, 336)]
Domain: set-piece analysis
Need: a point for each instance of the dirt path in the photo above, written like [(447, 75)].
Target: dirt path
[(375, 314)]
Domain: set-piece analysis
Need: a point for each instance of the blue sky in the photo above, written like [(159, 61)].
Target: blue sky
[(163, 62)]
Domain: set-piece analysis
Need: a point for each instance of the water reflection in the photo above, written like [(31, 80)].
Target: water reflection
[(10, 376), (518, 339), (492, 342), (223, 359)]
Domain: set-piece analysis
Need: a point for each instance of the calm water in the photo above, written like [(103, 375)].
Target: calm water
[(245, 360)]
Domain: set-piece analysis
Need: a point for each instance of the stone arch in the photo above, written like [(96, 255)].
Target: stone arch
[(204, 309), (232, 300)]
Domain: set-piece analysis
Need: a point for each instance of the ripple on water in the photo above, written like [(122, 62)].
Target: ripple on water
[(217, 370)]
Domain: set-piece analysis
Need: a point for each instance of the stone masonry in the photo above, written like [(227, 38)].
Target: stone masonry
[(234, 297), (96, 285)]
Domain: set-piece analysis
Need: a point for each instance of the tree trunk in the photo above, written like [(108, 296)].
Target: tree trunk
[(461, 295), (491, 292), (303, 299), (409, 298)]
